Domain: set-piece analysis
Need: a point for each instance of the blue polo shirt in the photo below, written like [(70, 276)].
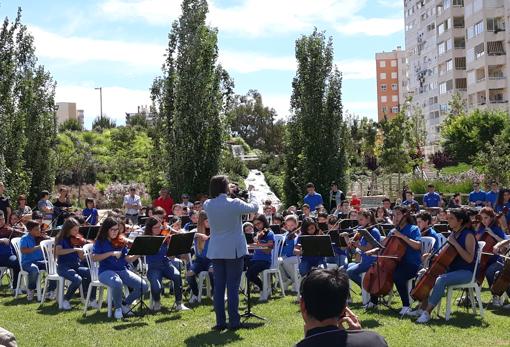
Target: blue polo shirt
[(412, 204), (500, 208), (431, 199), (203, 254), (411, 256), (92, 212), (313, 200), (68, 259), (288, 247), (477, 196), (492, 197), (110, 263), (28, 241), (159, 259), (260, 254)]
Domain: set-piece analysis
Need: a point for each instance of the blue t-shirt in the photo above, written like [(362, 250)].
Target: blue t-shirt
[(260, 254), (28, 241), (432, 233), (203, 254), (477, 196), (431, 199), (459, 263), (366, 259), (288, 247), (68, 259), (500, 208), (92, 212), (492, 197), (313, 200), (159, 259), (110, 263), (412, 256), (496, 230), (412, 204), (6, 250)]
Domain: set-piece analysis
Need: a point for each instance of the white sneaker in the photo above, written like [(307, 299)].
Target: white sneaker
[(404, 310), (30, 295), (156, 306), (181, 307), (370, 305), (126, 310), (118, 313), (66, 305), (193, 300), (496, 301), (424, 318), (507, 306), (415, 313), (94, 304)]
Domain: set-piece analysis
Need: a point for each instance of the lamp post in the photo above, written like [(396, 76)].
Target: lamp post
[(100, 101)]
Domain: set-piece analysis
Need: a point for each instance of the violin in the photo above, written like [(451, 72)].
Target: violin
[(44, 235), (10, 232), (439, 265), (378, 279), (79, 241)]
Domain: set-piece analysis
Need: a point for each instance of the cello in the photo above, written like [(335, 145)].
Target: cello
[(502, 280), (378, 280)]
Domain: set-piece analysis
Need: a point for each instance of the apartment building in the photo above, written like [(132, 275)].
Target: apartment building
[(67, 110), (456, 46), (391, 82)]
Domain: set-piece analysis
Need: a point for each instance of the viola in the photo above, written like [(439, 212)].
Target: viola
[(439, 265)]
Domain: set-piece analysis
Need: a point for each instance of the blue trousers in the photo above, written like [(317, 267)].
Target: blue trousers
[(227, 274), (197, 267), (354, 271), (448, 279), (33, 272), (155, 276), (254, 268), (11, 262), (116, 279), (77, 275), (338, 259), (307, 263)]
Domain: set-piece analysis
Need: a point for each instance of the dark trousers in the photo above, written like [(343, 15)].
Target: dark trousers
[(197, 267), (227, 274), (254, 268), (11, 262)]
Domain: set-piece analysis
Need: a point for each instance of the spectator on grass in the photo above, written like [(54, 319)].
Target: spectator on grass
[(324, 310)]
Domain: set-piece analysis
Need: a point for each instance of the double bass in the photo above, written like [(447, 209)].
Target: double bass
[(378, 280)]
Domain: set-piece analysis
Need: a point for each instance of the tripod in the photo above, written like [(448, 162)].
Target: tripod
[(248, 314)]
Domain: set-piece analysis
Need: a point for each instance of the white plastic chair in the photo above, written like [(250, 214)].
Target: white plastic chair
[(5, 271), (473, 285), (23, 275), (204, 281), (274, 269), (442, 239)]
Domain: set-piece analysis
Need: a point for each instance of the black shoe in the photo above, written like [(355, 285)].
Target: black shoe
[(237, 327), (219, 327)]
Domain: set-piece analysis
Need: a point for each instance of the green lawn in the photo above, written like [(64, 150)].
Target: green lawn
[(46, 326)]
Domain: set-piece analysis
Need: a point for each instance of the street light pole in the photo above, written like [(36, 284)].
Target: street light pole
[(100, 101)]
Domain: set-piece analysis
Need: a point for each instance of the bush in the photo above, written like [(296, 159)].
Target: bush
[(419, 186), (276, 183)]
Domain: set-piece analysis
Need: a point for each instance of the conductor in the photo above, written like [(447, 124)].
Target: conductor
[(227, 248)]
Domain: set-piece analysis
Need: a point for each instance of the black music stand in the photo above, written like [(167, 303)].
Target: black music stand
[(180, 244), (316, 246), (89, 232), (144, 245), (249, 238), (276, 228), (348, 223), (248, 314)]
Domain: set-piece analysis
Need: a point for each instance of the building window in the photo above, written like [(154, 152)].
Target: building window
[(449, 65), (384, 98), (394, 75), (479, 28), (385, 109), (383, 87), (479, 50), (394, 109), (394, 98), (382, 63), (382, 76), (442, 88), (394, 87), (393, 63), (441, 48)]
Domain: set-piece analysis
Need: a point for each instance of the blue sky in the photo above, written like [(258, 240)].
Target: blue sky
[(119, 45)]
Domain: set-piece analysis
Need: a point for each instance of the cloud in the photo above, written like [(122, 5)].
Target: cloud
[(371, 26), (391, 3), (361, 108), (357, 69), (246, 62), (250, 17), (116, 100)]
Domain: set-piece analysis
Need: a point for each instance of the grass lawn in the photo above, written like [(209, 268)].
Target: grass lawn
[(46, 326)]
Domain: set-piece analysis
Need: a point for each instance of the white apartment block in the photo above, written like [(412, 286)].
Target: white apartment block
[(67, 110), (456, 46)]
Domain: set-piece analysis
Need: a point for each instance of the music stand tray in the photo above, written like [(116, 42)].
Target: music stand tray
[(180, 244), (89, 232), (144, 245), (316, 246)]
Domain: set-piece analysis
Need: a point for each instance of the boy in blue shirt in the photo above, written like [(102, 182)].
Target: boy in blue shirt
[(90, 212), (32, 260), (492, 196), (313, 199), (431, 199), (410, 202), (424, 222), (477, 197)]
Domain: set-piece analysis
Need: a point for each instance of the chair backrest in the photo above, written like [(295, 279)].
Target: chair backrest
[(277, 247), (442, 239), (15, 244), (481, 245), (427, 244), (93, 265), (48, 251)]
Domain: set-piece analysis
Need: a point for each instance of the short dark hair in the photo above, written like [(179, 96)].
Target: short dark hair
[(386, 199), (149, 224), (44, 193), (425, 216), (31, 225), (261, 218), (87, 200), (322, 215), (310, 185), (334, 184), (306, 205), (324, 293), (218, 185), (430, 185), (461, 215)]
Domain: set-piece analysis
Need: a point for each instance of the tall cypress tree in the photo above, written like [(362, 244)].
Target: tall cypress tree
[(314, 150), (190, 99)]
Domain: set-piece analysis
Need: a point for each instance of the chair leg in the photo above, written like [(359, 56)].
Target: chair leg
[(86, 305), (44, 291), (472, 299), (109, 299), (100, 304), (38, 287), (280, 277), (479, 298), (448, 304), (18, 286)]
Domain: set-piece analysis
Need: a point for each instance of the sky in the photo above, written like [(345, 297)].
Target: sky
[(119, 45)]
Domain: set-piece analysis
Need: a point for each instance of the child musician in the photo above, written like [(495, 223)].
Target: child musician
[(493, 271), (261, 259), (289, 260), (32, 260), (111, 253), (7, 255), (460, 270), (90, 212), (69, 258), (200, 262), (306, 263), (160, 266), (410, 263)]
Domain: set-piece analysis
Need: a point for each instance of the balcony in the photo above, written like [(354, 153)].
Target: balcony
[(497, 96)]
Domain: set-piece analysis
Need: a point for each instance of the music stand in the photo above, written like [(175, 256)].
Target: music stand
[(348, 223), (276, 228), (89, 232), (385, 228), (336, 239), (249, 238), (144, 245), (316, 246), (248, 314), (180, 244)]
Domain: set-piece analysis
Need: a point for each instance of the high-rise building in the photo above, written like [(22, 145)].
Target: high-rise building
[(391, 82), (67, 110), (456, 46)]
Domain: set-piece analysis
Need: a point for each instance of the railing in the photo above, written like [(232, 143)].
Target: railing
[(497, 77), (498, 101)]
